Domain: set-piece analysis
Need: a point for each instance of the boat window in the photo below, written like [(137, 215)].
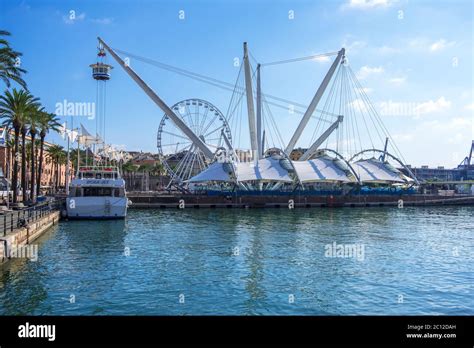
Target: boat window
[(108, 175), (97, 191), (119, 192), (75, 192), (98, 176), (88, 175)]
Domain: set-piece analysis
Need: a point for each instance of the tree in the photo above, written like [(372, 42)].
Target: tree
[(33, 123), (23, 131), (46, 123), (14, 108), (9, 63), (129, 167), (57, 155), (10, 145)]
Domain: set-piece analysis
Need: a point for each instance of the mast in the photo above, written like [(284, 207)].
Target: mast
[(385, 149), (259, 115), (160, 103), (314, 103), (250, 105), (67, 160), (321, 139)]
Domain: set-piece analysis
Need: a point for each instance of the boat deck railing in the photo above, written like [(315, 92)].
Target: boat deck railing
[(95, 171)]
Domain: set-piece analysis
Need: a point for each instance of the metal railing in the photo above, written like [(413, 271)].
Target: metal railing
[(10, 220)]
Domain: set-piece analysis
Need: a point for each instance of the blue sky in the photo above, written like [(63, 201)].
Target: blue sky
[(404, 52)]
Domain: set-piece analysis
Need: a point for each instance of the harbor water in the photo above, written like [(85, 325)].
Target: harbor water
[(413, 261)]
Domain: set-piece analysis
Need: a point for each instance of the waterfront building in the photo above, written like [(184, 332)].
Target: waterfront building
[(48, 176), (464, 171)]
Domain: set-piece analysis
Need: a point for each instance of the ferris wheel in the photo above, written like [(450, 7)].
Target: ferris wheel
[(181, 158)]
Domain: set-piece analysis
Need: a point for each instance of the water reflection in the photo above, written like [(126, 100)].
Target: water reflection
[(249, 261)]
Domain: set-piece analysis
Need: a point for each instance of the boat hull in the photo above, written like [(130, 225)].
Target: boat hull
[(96, 207)]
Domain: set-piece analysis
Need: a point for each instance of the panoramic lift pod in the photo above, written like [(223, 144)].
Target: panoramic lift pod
[(101, 71), (375, 171)]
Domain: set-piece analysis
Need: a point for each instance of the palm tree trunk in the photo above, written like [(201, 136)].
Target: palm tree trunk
[(56, 185), (40, 166), (15, 167), (23, 165), (32, 179)]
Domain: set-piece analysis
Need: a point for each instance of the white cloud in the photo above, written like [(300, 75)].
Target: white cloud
[(365, 71), (353, 46), (72, 17), (469, 106), (358, 105), (322, 59), (433, 106), (403, 137), (457, 138), (455, 130), (441, 142), (104, 21), (368, 4), (441, 44), (397, 81), (387, 50)]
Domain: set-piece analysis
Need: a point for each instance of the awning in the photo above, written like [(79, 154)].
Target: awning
[(215, 172), (267, 169), (321, 169), (373, 170)]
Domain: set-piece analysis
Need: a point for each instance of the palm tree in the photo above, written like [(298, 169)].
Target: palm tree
[(14, 108), (9, 69), (129, 167), (57, 155), (77, 157), (33, 121), (158, 168), (46, 122), (23, 131), (10, 145)]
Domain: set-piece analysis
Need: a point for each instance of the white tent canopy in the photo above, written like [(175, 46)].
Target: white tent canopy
[(372, 170), (268, 169), (320, 169), (215, 172)]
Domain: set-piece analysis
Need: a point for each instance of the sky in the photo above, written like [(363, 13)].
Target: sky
[(416, 55)]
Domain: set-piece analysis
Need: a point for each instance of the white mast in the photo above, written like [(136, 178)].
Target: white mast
[(161, 104), (259, 115), (321, 139), (250, 106), (314, 103)]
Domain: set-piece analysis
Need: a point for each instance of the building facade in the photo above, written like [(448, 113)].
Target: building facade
[(48, 176)]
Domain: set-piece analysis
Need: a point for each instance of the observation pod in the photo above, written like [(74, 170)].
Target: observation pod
[(101, 71)]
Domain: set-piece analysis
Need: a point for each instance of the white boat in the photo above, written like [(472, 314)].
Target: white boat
[(97, 192)]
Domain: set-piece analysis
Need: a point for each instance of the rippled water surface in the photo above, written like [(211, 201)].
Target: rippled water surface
[(268, 261)]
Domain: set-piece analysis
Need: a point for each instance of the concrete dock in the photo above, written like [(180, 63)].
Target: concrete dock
[(142, 200), (20, 238)]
